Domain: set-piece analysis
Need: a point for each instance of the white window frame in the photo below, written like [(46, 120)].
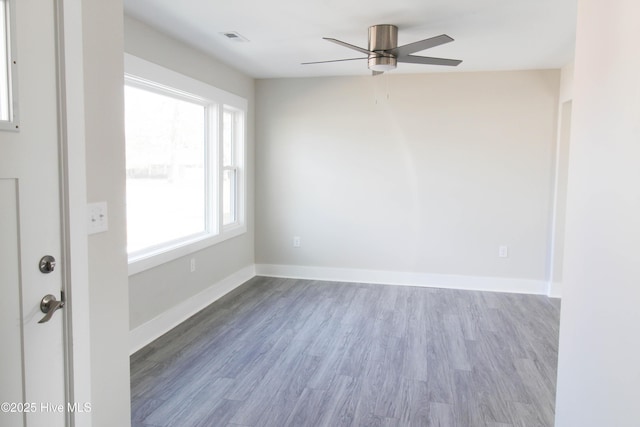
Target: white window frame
[(13, 122), (150, 76)]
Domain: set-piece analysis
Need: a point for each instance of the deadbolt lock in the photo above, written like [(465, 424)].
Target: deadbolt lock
[(47, 264)]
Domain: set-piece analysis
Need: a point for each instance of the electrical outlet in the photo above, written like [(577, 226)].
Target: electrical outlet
[(296, 241), (192, 265), (97, 218), (503, 251)]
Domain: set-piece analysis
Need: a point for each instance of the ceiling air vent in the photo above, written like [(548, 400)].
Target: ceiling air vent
[(234, 36)]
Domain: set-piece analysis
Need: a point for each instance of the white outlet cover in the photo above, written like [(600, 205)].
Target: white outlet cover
[(503, 251)]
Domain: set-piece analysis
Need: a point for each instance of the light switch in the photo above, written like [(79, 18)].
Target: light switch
[(98, 220)]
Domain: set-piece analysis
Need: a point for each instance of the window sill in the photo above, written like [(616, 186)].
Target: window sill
[(161, 256)]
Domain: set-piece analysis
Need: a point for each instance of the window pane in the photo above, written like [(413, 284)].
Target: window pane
[(165, 139), (227, 138), (229, 196), (4, 63)]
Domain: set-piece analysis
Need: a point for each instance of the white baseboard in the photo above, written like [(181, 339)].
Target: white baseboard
[(149, 331), (475, 283), (555, 290)]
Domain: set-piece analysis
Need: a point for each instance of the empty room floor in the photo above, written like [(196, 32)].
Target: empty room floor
[(284, 352)]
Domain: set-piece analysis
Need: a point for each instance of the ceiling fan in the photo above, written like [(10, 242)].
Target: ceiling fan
[(384, 53)]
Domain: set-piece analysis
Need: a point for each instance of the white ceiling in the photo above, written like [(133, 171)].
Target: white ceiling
[(489, 34)]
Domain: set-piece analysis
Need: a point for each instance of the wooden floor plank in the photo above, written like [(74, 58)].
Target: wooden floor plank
[(285, 352)]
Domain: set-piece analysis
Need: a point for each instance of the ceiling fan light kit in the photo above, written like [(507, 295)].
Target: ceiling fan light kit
[(383, 52)]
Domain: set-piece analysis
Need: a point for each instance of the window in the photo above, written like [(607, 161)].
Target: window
[(166, 177), (232, 138), (8, 86), (185, 145)]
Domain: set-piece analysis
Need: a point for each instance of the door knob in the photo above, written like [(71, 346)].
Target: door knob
[(50, 305)]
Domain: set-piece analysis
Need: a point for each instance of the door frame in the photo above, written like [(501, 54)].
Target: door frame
[(73, 194)]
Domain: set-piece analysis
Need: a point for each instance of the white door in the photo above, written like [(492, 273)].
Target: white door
[(32, 365)]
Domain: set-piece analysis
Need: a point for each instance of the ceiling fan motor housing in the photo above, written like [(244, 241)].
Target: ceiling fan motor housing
[(382, 38)]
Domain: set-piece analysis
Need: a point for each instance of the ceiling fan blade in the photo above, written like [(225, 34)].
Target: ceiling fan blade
[(411, 59), (332, 60), (350, 46), (410, 48)]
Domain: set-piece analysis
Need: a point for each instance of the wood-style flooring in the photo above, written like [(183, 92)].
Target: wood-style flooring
[(283, 352)]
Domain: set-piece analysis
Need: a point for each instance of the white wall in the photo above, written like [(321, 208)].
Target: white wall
[(108, 292), (430, 180), (566, 82), (599, 373), (556, 251), (154, 292)]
